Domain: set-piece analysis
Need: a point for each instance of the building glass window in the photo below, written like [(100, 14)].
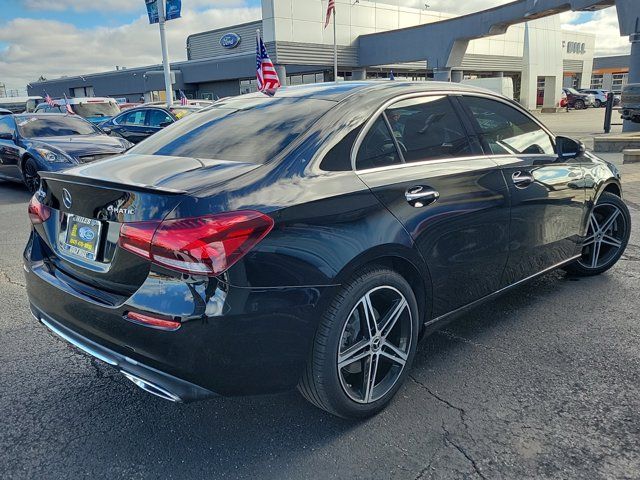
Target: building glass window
[(597, 81), (619, 81)]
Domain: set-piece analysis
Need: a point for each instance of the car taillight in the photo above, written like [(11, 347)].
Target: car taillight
[(38, 213), (153, 322), (206, 245)]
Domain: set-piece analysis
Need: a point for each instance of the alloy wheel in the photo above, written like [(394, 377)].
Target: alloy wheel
[(31, 177), (375, 344), (605, 236)]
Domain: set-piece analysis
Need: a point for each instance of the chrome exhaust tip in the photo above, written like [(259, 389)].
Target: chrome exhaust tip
[(151, 388)]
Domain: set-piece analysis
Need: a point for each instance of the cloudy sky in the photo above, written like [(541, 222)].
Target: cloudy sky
[(70, 37)]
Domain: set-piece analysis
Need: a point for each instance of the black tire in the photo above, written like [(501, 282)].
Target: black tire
[(322, 382), (579, 105), (584, 267), (30, 175), (598, 103)]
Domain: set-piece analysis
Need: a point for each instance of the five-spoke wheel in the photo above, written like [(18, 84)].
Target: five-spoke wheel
[(364, 345), (374, 345), (607, 236)]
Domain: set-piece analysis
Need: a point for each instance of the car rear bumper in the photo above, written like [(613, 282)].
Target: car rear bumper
[(149, 379), (232, 340)]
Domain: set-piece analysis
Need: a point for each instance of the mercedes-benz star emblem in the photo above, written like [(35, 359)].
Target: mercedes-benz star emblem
[(66, 198)]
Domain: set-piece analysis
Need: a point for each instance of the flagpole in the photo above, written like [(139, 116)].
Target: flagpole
[(335, 48), (165, 53)]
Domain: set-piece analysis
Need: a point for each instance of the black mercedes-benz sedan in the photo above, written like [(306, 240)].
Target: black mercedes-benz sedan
[(50, 142), (310, 239)]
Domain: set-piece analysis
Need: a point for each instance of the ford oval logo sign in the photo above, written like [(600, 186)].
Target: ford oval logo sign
[(230, 40)]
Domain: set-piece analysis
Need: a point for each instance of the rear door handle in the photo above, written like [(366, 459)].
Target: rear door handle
[(522, 179), (419, 196)]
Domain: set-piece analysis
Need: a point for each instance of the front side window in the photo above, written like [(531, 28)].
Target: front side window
[(156, 118), (506, 131), (428, 128), (7, 125)]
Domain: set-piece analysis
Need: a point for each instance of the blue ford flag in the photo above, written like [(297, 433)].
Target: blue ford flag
[(152, 10), (172, 9)]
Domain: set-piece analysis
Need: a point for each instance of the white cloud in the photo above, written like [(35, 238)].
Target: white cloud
[(53, 49), (605, 25), (112, 5)]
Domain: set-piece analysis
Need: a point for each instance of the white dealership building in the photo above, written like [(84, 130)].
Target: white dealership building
[(537, 55)]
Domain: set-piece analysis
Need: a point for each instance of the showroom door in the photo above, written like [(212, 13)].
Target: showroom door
[(452, 200)]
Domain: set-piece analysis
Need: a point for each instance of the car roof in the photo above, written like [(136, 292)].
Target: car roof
[(342, 90), (45, 115)]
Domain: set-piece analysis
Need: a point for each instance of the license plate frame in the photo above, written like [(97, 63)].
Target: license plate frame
[(82, 238)]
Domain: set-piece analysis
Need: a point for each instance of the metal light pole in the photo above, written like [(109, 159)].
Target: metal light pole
[(165, 53)]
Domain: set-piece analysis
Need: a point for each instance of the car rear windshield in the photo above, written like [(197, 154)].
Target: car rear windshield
[(101, 109), (53, 126), (252, 130)]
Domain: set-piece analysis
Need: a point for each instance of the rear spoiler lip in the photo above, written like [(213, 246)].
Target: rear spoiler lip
[(94, 182)]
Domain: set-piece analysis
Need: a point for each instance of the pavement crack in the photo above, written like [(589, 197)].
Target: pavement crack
[(461, 449), (439, 398), (453, 336), (8, 279)]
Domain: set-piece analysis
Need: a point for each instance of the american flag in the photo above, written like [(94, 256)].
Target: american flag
[(268, 81), (331, 8), (183, 98), (49, 101), (68, 105)]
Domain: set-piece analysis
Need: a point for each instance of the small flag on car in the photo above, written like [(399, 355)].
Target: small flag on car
[(268, 81), (68, 105), (183, 98), (49, 100)]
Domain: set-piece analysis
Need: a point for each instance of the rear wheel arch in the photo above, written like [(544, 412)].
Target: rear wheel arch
[(402, 260)]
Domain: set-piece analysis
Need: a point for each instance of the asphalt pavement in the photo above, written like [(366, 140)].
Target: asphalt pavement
[(542, 383)]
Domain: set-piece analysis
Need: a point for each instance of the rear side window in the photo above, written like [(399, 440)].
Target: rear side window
[(507, 131), (378, 148), (428, 128), (251, 130)]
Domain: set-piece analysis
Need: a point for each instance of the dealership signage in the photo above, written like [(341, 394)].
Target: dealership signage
[(579, 48), (230, 40), (171, 10)]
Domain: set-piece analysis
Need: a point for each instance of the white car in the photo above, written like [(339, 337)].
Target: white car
[(93, 109)]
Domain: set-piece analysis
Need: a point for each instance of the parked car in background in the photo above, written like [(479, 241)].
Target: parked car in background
[(20, 104), (601, 97), (35, 142), (311, 238), (136, 124), (127, 106), (93, 109), (191, 102), (630, 103), (578, 100)]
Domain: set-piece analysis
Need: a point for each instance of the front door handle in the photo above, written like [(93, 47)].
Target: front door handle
[(419, 196), (522, 179)]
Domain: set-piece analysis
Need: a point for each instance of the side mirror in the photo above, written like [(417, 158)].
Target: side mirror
[(569, 148), (6, 136), (165, 124)]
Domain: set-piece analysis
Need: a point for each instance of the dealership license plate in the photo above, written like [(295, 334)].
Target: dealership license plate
[(83, 236)]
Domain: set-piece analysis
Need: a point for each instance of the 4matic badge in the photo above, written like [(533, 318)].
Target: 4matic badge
[(127, 211)]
